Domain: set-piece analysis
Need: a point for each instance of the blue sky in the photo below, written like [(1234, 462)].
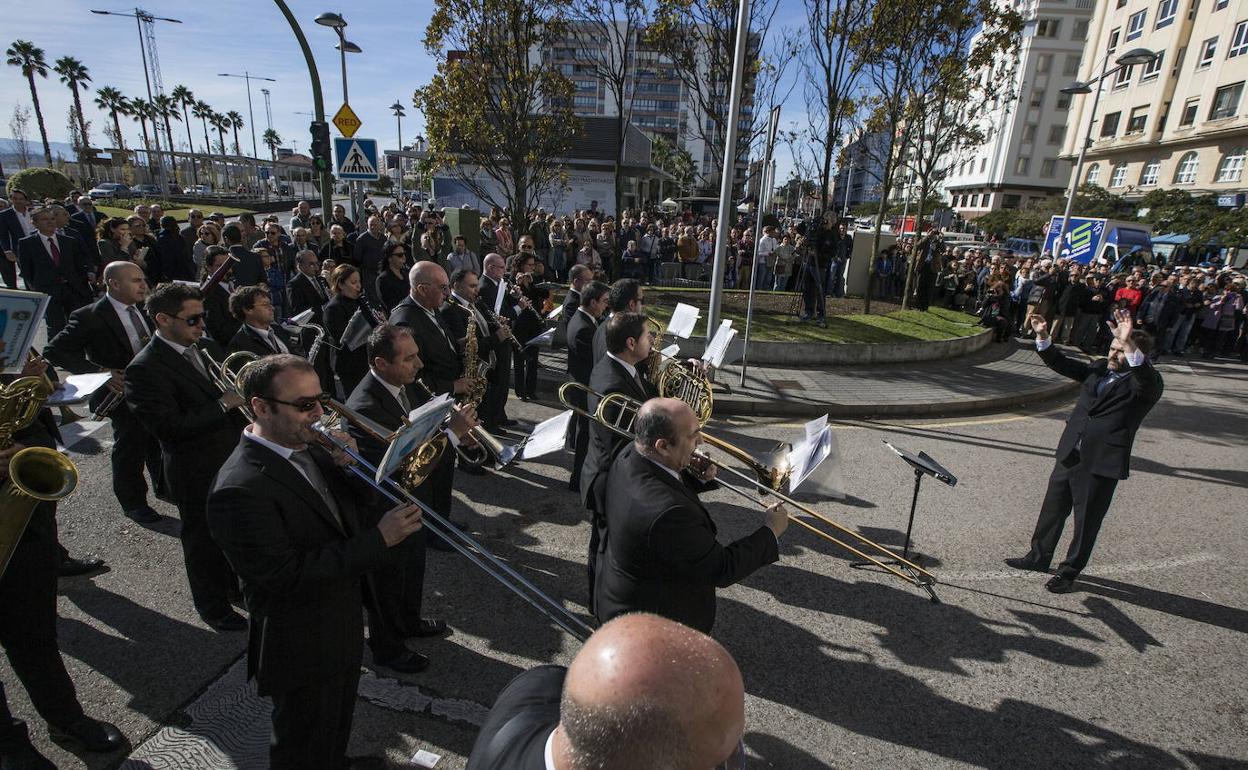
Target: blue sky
[(245, 35)]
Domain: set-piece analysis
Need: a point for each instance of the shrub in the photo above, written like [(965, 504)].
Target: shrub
[(40, 183)]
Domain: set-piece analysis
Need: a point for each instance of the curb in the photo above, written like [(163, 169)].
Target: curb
[(805, 354)]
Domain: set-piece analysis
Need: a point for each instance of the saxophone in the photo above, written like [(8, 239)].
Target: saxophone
[(474, 370)]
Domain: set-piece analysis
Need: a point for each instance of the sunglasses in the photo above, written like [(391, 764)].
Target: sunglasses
[(191, 320), (302, 405)]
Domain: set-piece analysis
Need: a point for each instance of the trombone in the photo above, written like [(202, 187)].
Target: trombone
[(767, 479), (460, 541), (224, 376)]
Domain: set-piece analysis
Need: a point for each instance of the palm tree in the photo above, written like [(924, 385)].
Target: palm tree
[(272, 139), (221, 123), (141, 110), (201, 110), (29, 57), (166, 110), (183, 96), (115, 103), (74, 74), (236, 122)]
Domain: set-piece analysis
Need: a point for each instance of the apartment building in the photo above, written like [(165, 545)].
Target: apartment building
[(1020, 161), (1178, 122), (858, 179)]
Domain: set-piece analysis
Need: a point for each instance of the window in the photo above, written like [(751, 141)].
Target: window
[(1220, 4), (1029, 133), (1232, 166), (1110, 125), (1048, 27), (1226, 101), (1057, 134), (1191, 12), (1044, 63), (1186, 171), (1071, 67), (1094, 174), (1022, 165), (983, 165), (1189, 112), (1080, 31), (1139, 116), (1113, 40), (1208, 50), (1011, 201), (1119, 177), (1063, 101), (1135, 25), (1239, 41), (1037, 97), (1122, 78), (1148, 177), (1153, 68), (1048, 168), (1165, 13), (1121, 4)]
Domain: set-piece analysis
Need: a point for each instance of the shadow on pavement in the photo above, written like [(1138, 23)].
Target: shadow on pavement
[(1230, 618)]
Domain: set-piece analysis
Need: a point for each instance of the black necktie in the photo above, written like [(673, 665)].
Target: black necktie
[(1105, 382), (312, 472), (140, 328)]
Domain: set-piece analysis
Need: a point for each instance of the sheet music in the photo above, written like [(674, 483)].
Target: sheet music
[(498, 297), (424, 422), (816, 426), (555, 314), (299, 320), (542, 340), (77, 388), (549, 436), (671, 351), (684, 317), (807, 456), (21, 318), (718, 348)]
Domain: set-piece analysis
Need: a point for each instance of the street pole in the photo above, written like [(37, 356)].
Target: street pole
[(764, 196), (1083, 150), (251, 116), (726, 209), (327, 192), (398, 116)]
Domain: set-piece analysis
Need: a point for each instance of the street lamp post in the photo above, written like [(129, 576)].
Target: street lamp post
[(398, 116), (337, 23), (318, 102), (251, 116), (1129, 59)]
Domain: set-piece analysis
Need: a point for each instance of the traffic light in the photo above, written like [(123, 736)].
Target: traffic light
[(321, 159)]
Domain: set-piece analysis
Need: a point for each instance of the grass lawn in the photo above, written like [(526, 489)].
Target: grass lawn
[(180, 213), (775, 319)]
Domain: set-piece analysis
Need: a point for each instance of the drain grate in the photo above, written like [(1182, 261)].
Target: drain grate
[(786, 385)]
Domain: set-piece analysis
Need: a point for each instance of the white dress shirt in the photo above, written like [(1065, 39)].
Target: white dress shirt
[(134, 335), (393, 390)]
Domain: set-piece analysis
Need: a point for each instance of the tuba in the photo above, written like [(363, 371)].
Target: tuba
[(36, 474)]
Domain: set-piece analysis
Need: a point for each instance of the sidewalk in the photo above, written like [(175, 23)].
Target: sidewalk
[(997, 377)]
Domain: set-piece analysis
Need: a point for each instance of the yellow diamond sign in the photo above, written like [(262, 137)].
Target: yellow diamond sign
[(347, 121)]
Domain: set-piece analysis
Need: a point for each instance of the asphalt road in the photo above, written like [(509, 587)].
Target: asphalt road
[(1142, 668)]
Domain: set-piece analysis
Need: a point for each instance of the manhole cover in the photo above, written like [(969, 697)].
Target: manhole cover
[(786, 385)]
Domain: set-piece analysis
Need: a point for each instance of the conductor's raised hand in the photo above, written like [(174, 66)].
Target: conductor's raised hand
[(1039, 326), (1122, 324), (399, 522)]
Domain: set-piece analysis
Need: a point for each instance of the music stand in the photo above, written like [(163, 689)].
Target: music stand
[(923, 465)]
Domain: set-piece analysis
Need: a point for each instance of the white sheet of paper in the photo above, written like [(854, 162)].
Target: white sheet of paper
[(424, 758), (816, 426), (684, 317), (807, 456), (671, 351), (549, 436), (300, 319), (542, 340), (78, 388), (718, 348), (555, 314)]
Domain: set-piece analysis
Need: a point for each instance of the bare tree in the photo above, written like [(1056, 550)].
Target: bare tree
[(19, 127)]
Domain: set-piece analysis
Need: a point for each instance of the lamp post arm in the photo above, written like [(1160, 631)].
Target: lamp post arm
[(1083, 151)]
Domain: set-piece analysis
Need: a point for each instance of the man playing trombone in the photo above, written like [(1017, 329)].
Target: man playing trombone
[(660, 553), (289, 521), (174, 388), (104, 337)]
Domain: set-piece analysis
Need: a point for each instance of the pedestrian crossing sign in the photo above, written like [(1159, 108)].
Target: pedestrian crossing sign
[(356, 159)]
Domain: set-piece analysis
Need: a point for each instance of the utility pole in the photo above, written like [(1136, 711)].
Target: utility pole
[(327, 189), (251, 116)]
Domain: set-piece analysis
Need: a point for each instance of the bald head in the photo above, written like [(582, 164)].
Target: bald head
[(429, 284), (125, 281), (645, 691)]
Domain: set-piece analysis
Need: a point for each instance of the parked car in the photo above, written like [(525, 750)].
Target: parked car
[(283, 189), (198, 189), (145, 190), (106, 190)]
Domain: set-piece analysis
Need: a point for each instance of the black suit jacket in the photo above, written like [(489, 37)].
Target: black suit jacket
[(172, 258), (179, 407), (369, 254), (301, 570), (94, 339), (220, 323), (608, 376), (371, 399), (247, 339), (443, 361), (488, 294), (456, 317), (248, 270), (581, 328), (84, 225), (660, 553), (11, 230), (40, 274), (1103, 427), (303, 295), (524, 715)]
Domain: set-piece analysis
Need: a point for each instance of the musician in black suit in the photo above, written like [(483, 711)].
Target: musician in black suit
[(1094, 452), (248, 270), (494, 296), (219, 322), (105, 336), (659, 551), (529, 299), (168, 387), (581, 328), (347, 311), (307, 289), (252, 306), (28, 625), (290, 523), (627, 296), (15, 224), (579, 277), (56, 265), (643, 692), (398, 589)]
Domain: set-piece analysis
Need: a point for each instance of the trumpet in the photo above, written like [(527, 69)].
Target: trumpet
[(111, 401), (616, 412), (461, 542)]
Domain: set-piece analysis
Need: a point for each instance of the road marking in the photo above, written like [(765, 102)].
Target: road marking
[(1126, 568)]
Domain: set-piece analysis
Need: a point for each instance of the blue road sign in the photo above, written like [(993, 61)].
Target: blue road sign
[(355, 159)]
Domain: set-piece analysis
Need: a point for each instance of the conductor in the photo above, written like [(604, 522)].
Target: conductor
[(661, 554)]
